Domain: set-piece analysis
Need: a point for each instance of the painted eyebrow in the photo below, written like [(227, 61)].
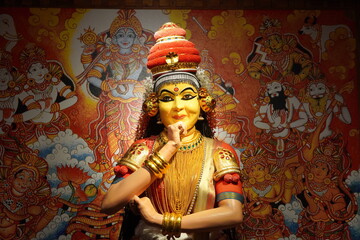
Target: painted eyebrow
[(188, 88)]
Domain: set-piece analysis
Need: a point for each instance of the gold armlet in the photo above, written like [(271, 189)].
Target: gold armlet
[(225, 162), (135, 156)]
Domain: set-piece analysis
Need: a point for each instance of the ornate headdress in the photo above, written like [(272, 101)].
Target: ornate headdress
[(175, 59), (172, 52), (270, 26), (126, 19), (328, 155), (252, 156), (30, 162), (30, 55)]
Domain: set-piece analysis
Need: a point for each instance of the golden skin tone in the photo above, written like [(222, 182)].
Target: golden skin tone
[(179, 106), (179, 109)]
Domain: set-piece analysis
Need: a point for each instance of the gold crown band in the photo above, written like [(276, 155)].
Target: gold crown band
[(180, 65)]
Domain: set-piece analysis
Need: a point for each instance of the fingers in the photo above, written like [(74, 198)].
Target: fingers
[(182, 127), (178, 127)]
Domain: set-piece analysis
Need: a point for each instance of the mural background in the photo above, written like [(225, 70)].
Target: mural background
[(70, 100)]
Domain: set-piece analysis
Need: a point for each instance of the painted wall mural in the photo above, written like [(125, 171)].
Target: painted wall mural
[(71, 88)]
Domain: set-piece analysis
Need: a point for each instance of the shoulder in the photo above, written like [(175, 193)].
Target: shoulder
[(225, 159), (219, 146)]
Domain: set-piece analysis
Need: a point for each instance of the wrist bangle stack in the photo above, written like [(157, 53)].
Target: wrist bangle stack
[(171, 223), (157, 165)]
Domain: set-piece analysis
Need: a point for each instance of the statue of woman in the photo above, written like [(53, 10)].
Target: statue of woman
[(183, 183)]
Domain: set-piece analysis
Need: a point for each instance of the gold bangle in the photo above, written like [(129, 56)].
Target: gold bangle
[(178, 223), (165, 222), (153, 168), (161, 164), (171, 223), (157, 154)]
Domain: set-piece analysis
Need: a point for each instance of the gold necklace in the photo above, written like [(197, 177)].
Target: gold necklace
[(178, 190), (185, 146)]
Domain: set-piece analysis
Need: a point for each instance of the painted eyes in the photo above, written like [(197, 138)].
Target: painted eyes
[(185, 97)]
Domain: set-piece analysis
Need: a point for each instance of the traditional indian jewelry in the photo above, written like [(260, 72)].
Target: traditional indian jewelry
[(171, 223), (151, 105), (157, 165), (207, 102), (55, 107), (185, 146)]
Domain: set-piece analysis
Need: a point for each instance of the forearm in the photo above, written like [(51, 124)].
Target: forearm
[(226, 215), (120, 193), (216, 218)]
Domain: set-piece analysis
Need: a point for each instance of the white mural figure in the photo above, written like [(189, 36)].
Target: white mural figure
[(12, 96), (51, 87), (114, 64), (280, 116), (322, 105)]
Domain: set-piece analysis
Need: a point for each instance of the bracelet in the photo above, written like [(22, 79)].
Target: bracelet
[(157, 165), (171, 223)]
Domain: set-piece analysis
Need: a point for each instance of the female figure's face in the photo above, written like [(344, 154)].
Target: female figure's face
[(320, 171), (23, 181), (37, 71), (179, 102), (5, 78), (125, 38)]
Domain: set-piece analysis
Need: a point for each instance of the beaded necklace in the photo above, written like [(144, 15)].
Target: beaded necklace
[(187, 146)]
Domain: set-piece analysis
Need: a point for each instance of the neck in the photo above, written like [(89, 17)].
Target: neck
[(190, 136)]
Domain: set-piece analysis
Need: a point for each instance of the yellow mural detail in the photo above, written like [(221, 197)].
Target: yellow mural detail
[(354, 132), (235, 58), (230, 20), (340, 51), (48, 18)]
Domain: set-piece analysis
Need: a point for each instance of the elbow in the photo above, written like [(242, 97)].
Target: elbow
[(109, 208), (238, 218)]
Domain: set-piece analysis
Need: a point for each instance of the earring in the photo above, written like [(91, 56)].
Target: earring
[(207, 102), (151, 105), (159, 122), (200, 118)]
